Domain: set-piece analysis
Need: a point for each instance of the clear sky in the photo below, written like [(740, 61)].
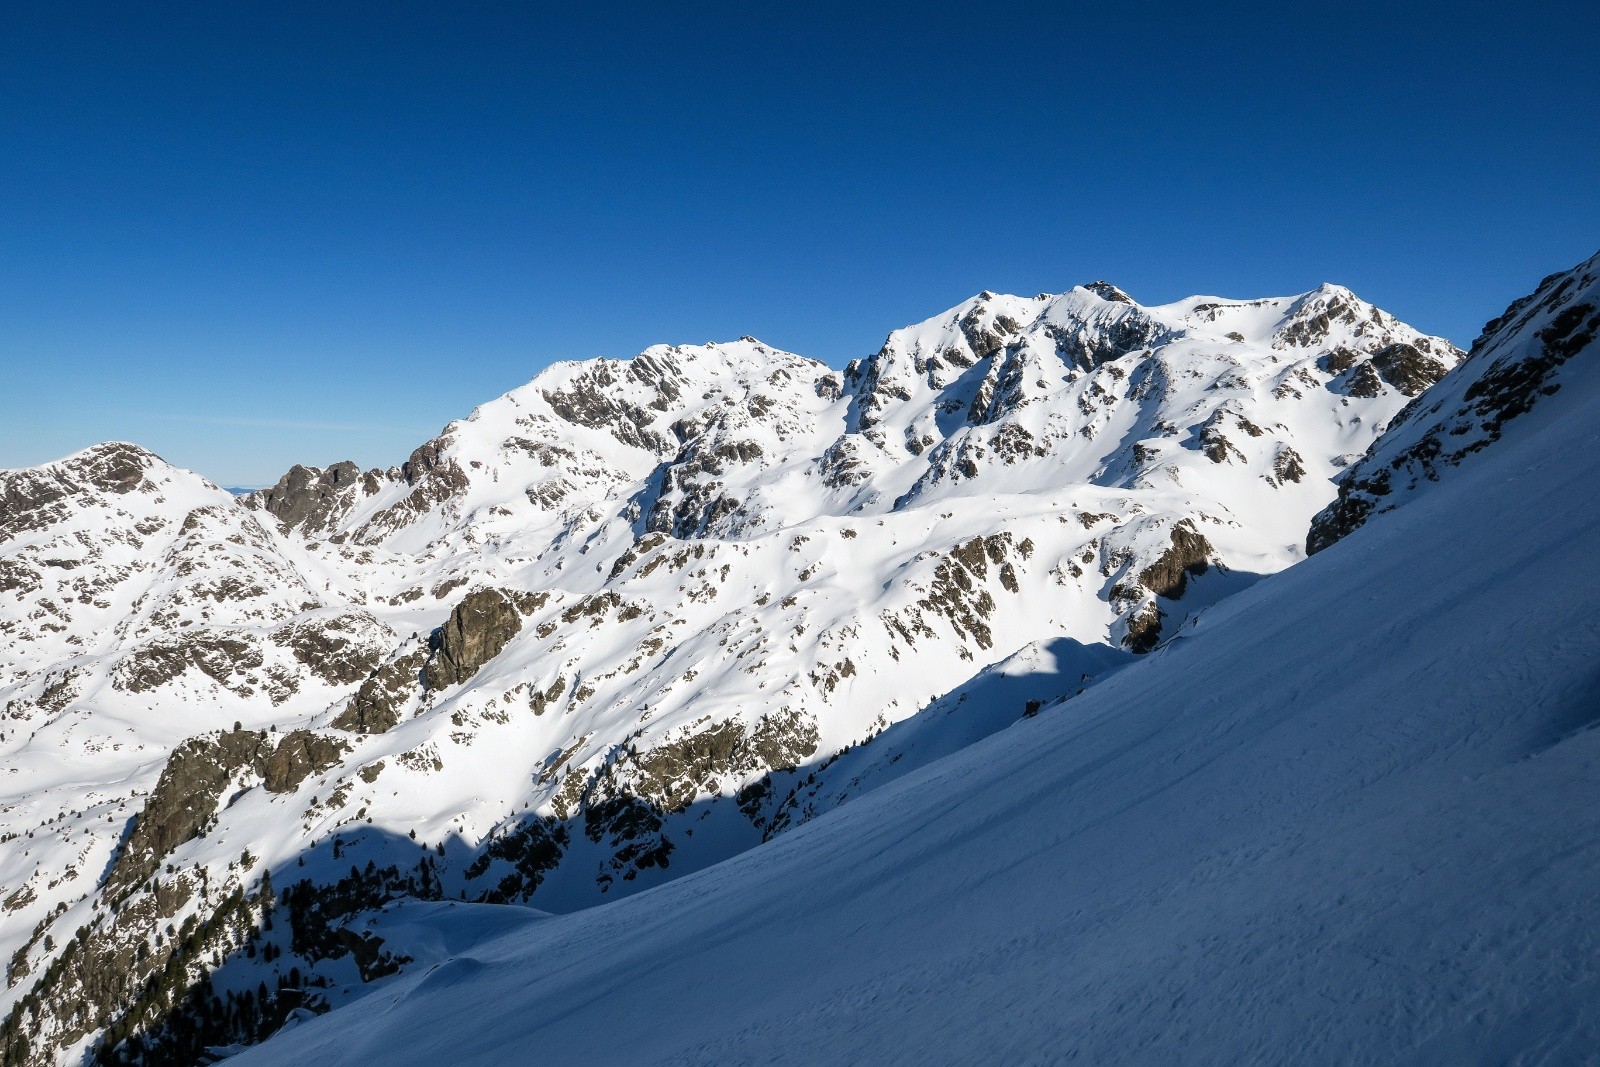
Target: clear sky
[(248, 235)]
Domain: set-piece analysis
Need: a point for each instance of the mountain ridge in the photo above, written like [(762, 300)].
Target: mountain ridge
[(639, 615)]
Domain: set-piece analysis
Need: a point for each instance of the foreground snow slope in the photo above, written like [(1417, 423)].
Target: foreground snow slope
[(1348, 815)]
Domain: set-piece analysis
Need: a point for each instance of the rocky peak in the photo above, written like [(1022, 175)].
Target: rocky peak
[(30, 496), (1326, 311), (1088, 333), (112, 467), (1106, 291), (638, 401), (314, 499)]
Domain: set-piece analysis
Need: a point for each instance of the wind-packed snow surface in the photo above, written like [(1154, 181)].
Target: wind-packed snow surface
[(1348, 815)]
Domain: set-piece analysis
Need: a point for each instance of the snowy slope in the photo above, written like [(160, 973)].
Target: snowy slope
[(679, 604), (1347, 816)]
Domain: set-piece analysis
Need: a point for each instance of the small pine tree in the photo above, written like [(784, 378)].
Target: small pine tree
[(267, 900)]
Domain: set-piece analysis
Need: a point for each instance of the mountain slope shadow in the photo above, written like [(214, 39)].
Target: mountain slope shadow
[(1037, 677), (310, 934)]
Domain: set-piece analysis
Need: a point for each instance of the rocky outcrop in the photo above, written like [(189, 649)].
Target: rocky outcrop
[(627, 804), (375, 707), (184, 799), (298, 756), (1144, 629), (192, 783), (1288, 465), (433, 477), (1086, 344), (477, 630), (115, 467), (223, 657), (341, 649), (530, 851), (35, 498), (1106, 291), (1316, 314), (671, 774), (1407, 368), (590, 399), (314, 499), (1190, 554)]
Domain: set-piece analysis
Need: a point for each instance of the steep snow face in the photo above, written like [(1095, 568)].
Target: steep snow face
[(639, 615), (1347, 816), (1507, 385)]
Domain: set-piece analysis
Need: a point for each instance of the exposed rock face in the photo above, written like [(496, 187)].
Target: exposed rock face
[(184, 799), (430, 471), (116, 467), (531, 851), (1407, 368), (32, 499), (1087, 343), (197, 774), (1187, 555), (375, 707), (671, 774), (434, 479), (298, 756), (1215, 444), (478, 628), (627, 804), (1364, 382), (631, 830), (1288, 465), (1144, 629), (1514, 366), (1190, 554), (586, 404), (1107, 291), (1317, 313), (691, 501), (337, 649), (313, 499), (223, 657)]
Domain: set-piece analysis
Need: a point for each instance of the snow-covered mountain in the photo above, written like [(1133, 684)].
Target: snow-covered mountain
[(1346, 816), (618, 625)]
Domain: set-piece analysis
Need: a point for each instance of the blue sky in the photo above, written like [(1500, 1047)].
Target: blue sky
[(248, 235)]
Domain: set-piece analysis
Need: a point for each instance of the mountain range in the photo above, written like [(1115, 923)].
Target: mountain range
[(978, 701)]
